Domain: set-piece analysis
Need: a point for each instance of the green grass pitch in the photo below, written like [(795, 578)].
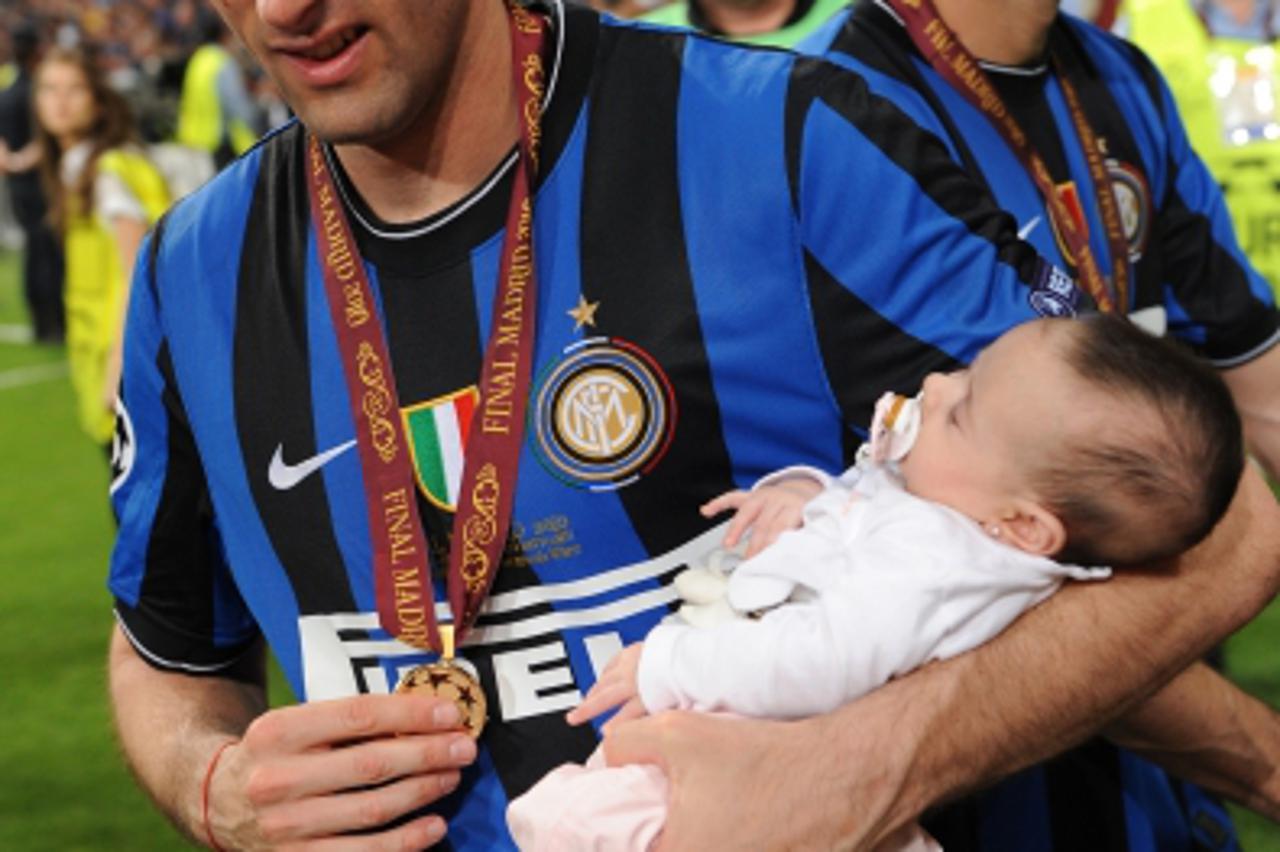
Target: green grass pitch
[(63, 785)]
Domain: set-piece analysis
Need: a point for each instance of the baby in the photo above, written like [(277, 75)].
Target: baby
[(1066, 444)]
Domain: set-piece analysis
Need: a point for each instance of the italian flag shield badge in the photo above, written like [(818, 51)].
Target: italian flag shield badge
[(437, 431)]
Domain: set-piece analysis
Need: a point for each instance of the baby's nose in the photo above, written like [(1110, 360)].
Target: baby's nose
[(939, 387), (935, 384)]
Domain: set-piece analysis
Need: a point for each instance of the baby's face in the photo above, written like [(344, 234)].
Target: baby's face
[(980, 427)]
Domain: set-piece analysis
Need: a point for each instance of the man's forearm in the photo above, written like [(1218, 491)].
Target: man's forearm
[(1254, 388), (1204, 729), (170, 724), (1066, 668)]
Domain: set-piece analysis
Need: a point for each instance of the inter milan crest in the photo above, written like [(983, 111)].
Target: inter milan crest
[(1134, 200), (437, 432), (602, 415)]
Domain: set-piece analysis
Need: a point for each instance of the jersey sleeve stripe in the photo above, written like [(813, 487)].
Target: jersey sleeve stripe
[(143, 641)]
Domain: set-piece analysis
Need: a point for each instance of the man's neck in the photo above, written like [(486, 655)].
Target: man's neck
[(747, 17), (458, 138), (1008, 32)]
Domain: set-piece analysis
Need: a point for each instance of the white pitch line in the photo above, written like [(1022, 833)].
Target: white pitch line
[(15, 334), (20, 377)]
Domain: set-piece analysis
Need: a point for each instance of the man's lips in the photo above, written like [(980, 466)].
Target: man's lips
[(327, 60)]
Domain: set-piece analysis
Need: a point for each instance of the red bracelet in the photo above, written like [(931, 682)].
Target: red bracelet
[(204, 794)]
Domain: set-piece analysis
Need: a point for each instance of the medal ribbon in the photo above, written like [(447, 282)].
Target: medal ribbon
[(950, 58), (401, 565)]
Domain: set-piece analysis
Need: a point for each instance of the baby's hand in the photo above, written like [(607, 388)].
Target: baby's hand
[(616, 687), (766, 512)]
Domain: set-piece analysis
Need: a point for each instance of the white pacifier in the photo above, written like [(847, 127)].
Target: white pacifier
[(894, 428)]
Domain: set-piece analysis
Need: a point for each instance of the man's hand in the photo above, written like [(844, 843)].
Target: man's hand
[(754, 764), (1204, 729), (312, 773), (766, 512), (297, 776), (849, 779), (616, 687)]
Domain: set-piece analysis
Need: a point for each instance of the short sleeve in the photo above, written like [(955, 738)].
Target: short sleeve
[(174, 596), (1216, 301), (112, 199)]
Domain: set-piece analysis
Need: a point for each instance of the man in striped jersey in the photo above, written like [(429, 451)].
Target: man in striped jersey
[(675, 356), (1185, 270)]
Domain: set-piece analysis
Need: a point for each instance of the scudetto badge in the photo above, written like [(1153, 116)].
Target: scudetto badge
[(602, 415)]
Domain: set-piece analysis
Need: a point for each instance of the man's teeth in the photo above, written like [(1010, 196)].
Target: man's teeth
[(332, 46)]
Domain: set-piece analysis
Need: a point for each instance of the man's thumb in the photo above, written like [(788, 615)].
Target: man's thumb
[(642, 740)]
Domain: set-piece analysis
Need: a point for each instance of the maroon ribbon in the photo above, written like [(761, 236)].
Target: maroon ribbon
[(401, 566), (951, 59)]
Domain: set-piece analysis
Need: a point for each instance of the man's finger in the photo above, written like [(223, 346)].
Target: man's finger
[(366, 764), (326, 723), (419, 834), (360, 810)]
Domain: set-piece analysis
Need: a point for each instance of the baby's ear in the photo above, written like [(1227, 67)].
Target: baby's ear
[(1029, 526)]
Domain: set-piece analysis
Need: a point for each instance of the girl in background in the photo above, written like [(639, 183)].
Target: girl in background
[(103, 196)]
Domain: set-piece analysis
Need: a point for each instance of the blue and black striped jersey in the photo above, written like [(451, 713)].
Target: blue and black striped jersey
[(1188, 270), (1186, 262), (738, 250)]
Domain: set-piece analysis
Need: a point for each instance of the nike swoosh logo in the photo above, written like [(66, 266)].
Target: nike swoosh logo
[(285, 476), (1025, 230)]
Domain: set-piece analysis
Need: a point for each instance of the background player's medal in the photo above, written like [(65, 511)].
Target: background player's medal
[(954, 63), (450, 681)]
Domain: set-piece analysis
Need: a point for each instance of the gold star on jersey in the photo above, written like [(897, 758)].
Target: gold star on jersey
[(584, 313)]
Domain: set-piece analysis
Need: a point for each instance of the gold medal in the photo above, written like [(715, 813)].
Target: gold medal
[(448, 680)]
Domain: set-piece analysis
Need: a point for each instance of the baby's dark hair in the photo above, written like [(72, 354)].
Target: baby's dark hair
[(1128, 496)]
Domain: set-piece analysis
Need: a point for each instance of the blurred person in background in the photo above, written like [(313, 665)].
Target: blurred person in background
[(781, 23), (103, 195), (1078, 140), (216, 114), (19, 161), (1219, 57), (1105, 14), (625, 8)]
